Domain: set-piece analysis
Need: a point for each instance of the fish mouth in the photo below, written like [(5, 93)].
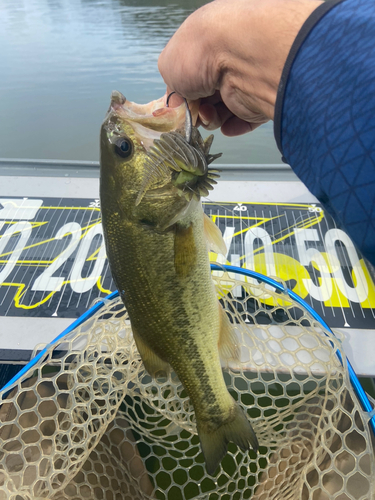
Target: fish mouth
[(150, 120), (162, 131), (155, 114)]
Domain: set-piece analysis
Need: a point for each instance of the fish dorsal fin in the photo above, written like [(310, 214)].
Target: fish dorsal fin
[(185, 251), (228, 342), (213, 236)]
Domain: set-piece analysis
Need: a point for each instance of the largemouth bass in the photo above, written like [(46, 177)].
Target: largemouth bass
[(156, 237)]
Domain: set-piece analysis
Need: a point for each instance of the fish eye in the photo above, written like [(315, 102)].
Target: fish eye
[(123, 147)]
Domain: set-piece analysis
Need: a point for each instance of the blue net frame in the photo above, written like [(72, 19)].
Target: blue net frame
[(358, 389)]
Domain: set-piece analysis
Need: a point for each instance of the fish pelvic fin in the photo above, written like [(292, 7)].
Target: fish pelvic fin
[(153, 363), (228, 342), (214, 442)]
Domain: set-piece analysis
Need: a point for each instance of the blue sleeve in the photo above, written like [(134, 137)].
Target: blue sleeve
[(325, 114)]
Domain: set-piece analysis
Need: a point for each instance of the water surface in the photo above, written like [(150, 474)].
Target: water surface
[(60, 60)]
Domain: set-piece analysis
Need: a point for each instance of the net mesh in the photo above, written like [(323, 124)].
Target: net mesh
[(88, 422)]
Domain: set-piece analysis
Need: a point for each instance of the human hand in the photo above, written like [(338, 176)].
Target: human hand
[(230, 53), (213, 114)]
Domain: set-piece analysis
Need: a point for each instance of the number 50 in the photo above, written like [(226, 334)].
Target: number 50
[(308, 256)]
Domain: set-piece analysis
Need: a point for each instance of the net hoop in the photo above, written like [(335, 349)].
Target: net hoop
[(83, 419), (279, 286)]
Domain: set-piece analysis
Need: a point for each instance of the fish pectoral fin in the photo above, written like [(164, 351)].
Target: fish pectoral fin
[(185, 251), (153, 363), (228, 342), (169, 220), (213, 236), (214, 442)]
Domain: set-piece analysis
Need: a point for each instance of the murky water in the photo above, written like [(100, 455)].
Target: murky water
[(60, 60)]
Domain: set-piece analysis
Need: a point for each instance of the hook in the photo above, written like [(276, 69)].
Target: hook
[(169, 95)]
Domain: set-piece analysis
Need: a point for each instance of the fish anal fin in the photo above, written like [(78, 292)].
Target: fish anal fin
[(213, 236), (228, 342), (153, 363), (214, 442), (185, 252)]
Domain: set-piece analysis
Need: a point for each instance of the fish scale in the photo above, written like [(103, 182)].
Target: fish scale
[(159, 303)]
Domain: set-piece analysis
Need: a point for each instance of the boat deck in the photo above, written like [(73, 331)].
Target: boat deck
[(53, 263)]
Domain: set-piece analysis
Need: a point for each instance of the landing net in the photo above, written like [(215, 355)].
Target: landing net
[(85, 421)]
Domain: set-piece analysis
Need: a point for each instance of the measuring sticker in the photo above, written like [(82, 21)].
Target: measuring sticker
[(53, 261)]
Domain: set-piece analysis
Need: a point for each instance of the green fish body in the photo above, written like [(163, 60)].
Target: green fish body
[(156, 239)]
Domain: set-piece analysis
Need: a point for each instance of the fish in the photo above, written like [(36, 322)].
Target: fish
[(157, 239)]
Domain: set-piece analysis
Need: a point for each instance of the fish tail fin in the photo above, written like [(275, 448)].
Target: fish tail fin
[(214, 442)]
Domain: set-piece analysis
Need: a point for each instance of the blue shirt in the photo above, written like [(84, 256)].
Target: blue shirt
[(325, 114)]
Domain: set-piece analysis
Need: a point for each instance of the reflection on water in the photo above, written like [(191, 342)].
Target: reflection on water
[(61, 59)]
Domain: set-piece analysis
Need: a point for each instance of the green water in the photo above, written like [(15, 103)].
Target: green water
[(60, 60)]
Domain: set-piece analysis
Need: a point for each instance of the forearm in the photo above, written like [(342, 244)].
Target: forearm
[(324, 121)]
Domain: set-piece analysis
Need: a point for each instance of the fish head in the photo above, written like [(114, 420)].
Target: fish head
[(150, 161)]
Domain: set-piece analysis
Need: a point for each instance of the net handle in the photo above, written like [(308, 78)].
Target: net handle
[(359, 392)]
